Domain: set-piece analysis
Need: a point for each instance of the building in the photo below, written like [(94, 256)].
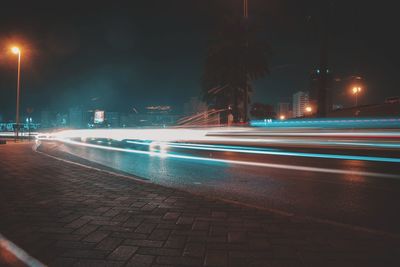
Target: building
[(320, 92), (158, 109), (283, 109), (300, 102), (194, 106), (111, 119)]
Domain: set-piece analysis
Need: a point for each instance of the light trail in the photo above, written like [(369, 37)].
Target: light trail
[(207, 134), (12, 134), (200, 139), (275, 152), (338, 123), (237, 162)]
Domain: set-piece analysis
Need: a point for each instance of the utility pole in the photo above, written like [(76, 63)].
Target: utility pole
[(246, 89), (322, 95)]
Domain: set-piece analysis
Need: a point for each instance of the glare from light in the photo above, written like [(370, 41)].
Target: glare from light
[(158, 149), (15, 50), (356, 89)]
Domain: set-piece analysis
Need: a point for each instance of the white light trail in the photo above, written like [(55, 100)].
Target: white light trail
[(237, 162)]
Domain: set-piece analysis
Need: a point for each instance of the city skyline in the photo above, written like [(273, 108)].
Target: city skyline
[(114, 55)]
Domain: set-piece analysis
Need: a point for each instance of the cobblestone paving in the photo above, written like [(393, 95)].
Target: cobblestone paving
[(67, 215)]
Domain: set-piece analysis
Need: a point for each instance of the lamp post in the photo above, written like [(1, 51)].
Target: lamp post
[(356, 90), (308, 110), (17, 51)]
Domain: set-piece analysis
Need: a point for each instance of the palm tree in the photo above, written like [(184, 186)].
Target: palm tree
[(237, 55)]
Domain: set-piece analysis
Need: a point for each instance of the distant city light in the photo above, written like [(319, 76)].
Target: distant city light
[(282, 117), (308, 109)]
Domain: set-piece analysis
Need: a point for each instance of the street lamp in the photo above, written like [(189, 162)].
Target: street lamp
[(356, 90), (17, 51), (308, 111)]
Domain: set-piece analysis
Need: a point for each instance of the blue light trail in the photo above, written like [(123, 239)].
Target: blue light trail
[(338, 123), (276, 152)]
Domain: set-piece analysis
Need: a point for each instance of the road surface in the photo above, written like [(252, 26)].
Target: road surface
[(339, 177)]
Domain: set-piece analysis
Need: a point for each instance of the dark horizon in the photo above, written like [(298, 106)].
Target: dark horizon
[(129, 55)]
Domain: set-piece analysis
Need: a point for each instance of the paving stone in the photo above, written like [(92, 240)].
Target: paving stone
[(73, 244), (194, 250), (77, 223), (159, 234), (98, 263), (185, 220), (96, 236), (236, 236), (219, 214), (140, 261), (145, 228), (109, 243), (175, 242), (85, 229), (200, 225), (160, 251), (122, 252), (57, 230), (143, 243), (216, 258), (129, 235), (178, 261), (63, 262), (84, 253), (171, 215)]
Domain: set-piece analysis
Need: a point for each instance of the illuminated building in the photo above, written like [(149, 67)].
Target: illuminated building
[(111, 119), (300, 102), (158, 109), (283, 109)]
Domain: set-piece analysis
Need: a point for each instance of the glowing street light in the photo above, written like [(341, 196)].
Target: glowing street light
[(17, 51), (282, 117), (356, 90), (308, 109)]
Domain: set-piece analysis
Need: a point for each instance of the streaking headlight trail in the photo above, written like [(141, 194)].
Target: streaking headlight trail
[(159, 142)]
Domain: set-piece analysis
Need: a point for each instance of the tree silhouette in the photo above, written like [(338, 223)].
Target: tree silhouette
[(237, 55)]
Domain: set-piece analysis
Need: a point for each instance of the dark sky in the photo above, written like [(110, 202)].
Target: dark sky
[(128, 54)]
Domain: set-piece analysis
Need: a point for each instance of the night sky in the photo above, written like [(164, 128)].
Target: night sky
[(127, 54)]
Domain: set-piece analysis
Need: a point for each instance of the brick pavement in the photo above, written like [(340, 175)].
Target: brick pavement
[(67, 215)]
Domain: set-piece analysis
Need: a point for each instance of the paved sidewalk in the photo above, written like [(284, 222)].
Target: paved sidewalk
[(66, 215)]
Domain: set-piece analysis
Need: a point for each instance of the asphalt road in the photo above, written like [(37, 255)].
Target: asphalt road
[(363, 193)]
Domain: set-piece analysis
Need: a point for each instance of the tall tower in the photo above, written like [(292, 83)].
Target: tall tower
[(322, 96), (300, 101)]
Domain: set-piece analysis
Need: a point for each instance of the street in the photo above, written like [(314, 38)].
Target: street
[(348, 180)]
